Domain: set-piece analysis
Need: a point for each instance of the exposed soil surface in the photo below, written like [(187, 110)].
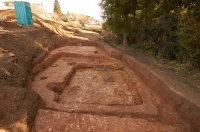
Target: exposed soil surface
[(83, 89), (20, 49), (78, 86)]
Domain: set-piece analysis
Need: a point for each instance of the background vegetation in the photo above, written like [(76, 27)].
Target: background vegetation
[(167, 28), (82, 19), (57, 10)]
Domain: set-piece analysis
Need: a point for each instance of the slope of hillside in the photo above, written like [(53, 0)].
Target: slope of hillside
[(20, 49)]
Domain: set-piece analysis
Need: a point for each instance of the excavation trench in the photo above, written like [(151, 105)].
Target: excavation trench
[(83, 89)]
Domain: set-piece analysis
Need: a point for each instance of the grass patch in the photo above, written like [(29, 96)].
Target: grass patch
[(174, 66)]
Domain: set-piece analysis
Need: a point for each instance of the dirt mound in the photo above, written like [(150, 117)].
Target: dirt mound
[(28, 45), (19, 49), (109, 37)]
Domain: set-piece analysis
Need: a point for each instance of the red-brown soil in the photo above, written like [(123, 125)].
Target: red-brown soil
[(84, 89), (57, 78), (20, 49)]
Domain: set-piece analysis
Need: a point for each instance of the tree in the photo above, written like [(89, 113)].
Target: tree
[(170, 28), (57, 8), (83, 19), (120, 17), (58, 11)]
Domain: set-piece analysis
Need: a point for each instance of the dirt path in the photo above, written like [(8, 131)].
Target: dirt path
[(83, 89)]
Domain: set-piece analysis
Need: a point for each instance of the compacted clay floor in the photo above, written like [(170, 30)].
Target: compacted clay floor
[(83, 89)]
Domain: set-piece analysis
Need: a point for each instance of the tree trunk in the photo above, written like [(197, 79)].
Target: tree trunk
[(125, 43)]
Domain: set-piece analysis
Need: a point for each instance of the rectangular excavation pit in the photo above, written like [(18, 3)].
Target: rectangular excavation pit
[(94, 87), (99, 85), (49, 84)]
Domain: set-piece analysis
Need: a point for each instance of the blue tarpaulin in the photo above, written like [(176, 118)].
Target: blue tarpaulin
[(23, 12)]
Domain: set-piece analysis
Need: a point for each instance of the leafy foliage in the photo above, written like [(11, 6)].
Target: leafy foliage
[(57, 8), (168, 28), (83, 19), (58, 12)]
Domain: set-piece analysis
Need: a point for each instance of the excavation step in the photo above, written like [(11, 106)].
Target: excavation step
[(52, 121), (147, 111), (86, 51), (80, 52), (53, 79)]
